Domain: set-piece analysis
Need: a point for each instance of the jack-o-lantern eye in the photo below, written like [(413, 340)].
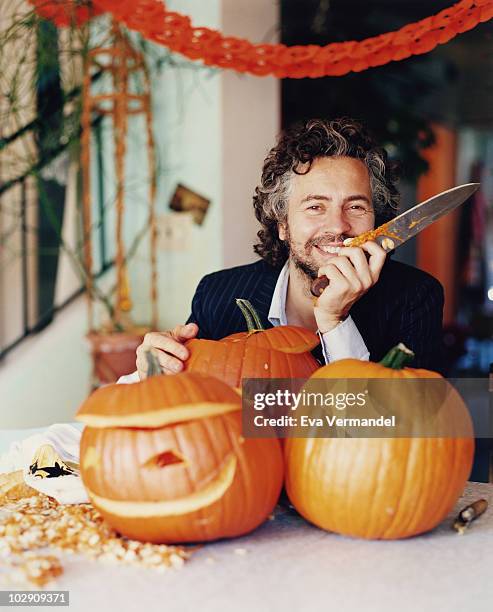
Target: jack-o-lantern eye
[(164, 459)]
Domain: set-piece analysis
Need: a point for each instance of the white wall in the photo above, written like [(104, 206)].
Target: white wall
[(251, 121), (44, 380), (187, 124), (213, 130)]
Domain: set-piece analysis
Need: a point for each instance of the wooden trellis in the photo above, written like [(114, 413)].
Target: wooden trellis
[(120, 60)]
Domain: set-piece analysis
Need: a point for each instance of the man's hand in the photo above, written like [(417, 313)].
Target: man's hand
[(168, 347), (350, 274)]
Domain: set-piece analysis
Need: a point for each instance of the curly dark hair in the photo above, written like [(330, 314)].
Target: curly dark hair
[(295, 152)]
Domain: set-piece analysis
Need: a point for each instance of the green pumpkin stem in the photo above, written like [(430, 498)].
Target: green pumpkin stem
[(250, 314), (397, 357), (153, 367)]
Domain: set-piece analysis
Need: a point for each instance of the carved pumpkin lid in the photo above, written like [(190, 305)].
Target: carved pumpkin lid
[(159, 401)]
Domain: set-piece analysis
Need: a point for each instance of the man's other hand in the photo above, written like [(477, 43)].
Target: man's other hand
[(168, 347), (351, 273)]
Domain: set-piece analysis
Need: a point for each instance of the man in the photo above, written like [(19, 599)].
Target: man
[(323, 182)]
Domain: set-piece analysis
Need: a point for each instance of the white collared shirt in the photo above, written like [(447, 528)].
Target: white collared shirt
[(342, 342)]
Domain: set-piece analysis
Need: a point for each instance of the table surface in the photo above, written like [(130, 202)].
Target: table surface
[(288, 564)]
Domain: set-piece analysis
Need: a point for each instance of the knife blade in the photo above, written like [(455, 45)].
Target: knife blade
[(392, 234)]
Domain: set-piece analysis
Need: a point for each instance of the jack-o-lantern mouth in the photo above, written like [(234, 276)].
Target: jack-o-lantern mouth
[(211, 493)]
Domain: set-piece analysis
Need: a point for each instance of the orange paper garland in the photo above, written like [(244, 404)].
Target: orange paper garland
[(176, 32)]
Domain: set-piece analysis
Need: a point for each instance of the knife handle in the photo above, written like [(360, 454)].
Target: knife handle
[(322, 282), (318, 285), (387, 244)]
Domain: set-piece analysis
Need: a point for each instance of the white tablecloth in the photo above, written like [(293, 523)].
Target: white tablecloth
[(289, 565)]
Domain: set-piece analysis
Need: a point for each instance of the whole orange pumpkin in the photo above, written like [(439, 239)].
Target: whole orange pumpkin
[(164, 460), (382, 488), (278, 352)]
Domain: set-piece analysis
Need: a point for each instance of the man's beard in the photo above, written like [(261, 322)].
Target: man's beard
[(307, 268), (301, 256)]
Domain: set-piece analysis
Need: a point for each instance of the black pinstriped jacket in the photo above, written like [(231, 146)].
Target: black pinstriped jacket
[(405, 305)]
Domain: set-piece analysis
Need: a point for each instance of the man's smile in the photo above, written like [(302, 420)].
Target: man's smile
[(328, 249)]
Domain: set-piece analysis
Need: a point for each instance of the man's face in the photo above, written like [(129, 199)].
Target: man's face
[(330, 203)]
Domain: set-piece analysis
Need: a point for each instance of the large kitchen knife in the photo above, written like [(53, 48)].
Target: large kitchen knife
[(392, 234)]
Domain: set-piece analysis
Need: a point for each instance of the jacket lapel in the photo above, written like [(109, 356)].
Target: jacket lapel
[(262, 296)]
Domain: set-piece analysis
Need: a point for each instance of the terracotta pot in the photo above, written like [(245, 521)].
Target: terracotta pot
[(113, 354)]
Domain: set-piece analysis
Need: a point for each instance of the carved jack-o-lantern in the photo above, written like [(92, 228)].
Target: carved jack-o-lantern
[(164, 460)]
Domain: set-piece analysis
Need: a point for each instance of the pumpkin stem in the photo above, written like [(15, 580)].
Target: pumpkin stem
[(250, 314), (397, 357), (153, 367)]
